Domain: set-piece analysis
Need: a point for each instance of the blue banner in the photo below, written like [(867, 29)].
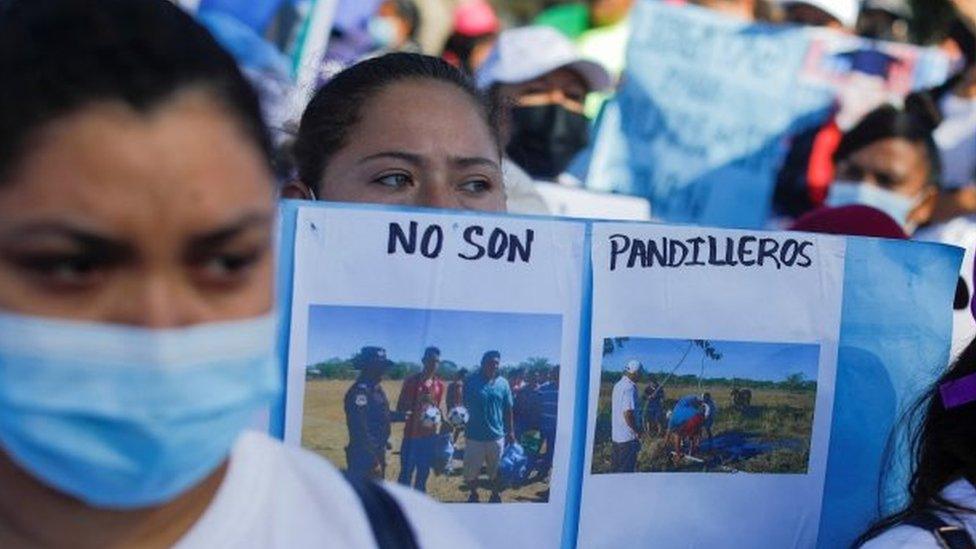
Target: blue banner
[(895, 325), (895, 329), (701, 123)]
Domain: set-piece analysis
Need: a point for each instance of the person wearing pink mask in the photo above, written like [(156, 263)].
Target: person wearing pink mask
[(476, 28)]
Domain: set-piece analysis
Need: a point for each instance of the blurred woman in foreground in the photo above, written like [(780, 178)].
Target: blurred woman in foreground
[(136, 325)]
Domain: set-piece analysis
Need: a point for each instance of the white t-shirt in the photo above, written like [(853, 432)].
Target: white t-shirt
[(521, 196), (956, 137), (624, 398), (909, 537), (961, 232), (280, 496)]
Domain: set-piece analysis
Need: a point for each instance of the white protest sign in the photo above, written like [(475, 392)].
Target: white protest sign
[(467, 284), (736, 334), (566, 201)]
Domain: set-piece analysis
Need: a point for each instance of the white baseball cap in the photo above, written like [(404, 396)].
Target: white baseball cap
[(845, 11), (526, 53), (898, 8), (632, 367)]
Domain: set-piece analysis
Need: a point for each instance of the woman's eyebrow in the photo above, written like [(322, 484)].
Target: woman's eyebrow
[(220, 236), (414, 159), (85, 238), (473, 161), (419, 160)]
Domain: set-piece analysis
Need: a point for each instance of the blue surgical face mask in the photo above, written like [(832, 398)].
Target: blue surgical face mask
[(848, 193), (382, 30), (124, 417)]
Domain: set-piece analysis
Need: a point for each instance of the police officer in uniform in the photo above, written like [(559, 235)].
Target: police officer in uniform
[(368, 415)]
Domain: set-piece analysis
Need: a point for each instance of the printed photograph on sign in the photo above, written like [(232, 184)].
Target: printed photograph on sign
[(705, 406), (461, 405)]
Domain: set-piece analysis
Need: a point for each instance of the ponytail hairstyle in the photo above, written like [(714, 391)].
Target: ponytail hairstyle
[(338, 106)]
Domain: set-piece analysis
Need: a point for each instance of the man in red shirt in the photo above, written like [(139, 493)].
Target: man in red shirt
[(420, 392)]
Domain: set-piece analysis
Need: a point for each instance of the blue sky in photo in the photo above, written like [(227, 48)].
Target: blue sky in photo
[(462, 336), (742, 359)]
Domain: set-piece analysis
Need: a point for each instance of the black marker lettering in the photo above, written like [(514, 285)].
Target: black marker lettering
[(408, 243), (696, 244), (638, 250), (658, 254), (805, 260), (789, 252), (432, 241), (745, 253), (516, 248), (767, 249), (618, 244), (674, 246), (469, 235)]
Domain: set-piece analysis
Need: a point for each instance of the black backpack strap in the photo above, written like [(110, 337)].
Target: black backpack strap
[(390, 525), (948, 535)]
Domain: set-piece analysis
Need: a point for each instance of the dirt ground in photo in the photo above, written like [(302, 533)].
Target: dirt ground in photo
[(770, 435), (324, 432)]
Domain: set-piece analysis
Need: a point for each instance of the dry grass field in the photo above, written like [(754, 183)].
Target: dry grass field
[(771, 435), (324, 432)]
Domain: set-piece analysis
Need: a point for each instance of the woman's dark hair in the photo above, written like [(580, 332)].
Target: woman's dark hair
[(459, 47), (913, 124), (409, 12), (943, 449), (58, 56), (337, 106)]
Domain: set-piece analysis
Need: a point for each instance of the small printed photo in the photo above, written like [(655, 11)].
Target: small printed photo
[(705, 406), (461, 405)]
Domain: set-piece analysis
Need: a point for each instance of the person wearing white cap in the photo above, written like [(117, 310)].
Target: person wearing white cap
[(836, 14), (539, 82), (623, 423)]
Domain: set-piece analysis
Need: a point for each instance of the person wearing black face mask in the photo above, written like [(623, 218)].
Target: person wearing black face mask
[(546, 137), (539, 83)]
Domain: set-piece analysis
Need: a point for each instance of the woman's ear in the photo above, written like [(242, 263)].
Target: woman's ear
[(297, 190), (925, 209)]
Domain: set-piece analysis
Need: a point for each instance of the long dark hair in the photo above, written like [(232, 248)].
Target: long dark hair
[(59, 56), (943, 449), (337, 106)]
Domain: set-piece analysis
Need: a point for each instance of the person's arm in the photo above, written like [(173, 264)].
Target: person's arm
[(405, 402), (629, 406), (509, 426), (357, 412), (631, 421), (509, 405)]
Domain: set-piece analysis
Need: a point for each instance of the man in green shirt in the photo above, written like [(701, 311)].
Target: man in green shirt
[(489, 401)]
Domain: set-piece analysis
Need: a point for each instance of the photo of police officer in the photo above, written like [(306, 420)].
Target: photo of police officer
[(451, 426), (368, 415)]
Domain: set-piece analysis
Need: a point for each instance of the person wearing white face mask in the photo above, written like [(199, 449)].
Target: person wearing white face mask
[(889, 161), (394, 27), (137, 335)]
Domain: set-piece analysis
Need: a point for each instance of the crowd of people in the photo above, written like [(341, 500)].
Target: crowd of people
[(490, 410), (634, 416), (136, 256)]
